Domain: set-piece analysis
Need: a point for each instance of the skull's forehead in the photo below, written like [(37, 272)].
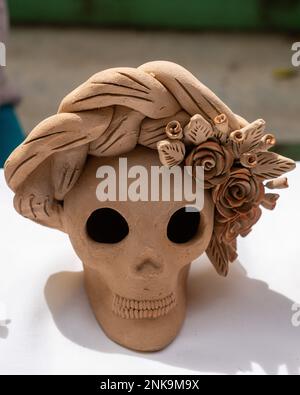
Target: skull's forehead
[(82, 199)]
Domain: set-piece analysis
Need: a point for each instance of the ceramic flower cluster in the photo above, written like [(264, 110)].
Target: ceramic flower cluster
[(236, 165)]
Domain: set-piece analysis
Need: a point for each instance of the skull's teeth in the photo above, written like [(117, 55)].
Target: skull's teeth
[(135, 309)]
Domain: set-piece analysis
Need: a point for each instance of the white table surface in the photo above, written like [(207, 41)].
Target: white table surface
[(242, 324)]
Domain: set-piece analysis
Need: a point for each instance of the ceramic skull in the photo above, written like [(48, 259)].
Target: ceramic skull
[(136, 254)]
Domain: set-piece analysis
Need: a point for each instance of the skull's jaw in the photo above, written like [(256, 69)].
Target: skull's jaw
[(141, 327), (133, 309)]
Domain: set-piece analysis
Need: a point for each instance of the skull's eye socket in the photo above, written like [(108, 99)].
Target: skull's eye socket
[(183, 225), (106, 225)]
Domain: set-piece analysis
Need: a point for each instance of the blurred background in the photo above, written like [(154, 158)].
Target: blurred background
[(241, 49)]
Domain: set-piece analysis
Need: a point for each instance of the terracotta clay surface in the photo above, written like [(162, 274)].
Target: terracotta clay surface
[(137, 287), (162, 107)]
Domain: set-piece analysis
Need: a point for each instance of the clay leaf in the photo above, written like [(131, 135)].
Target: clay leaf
[(171, 153), (271, 165), (218, 255), (198, 130)]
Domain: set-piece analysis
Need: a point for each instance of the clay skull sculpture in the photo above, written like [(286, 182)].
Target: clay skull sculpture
[(137, 255)]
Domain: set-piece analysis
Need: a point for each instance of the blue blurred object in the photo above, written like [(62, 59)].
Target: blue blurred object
[(11, 134)]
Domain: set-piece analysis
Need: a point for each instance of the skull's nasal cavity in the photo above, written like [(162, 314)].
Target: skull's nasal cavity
[(148, 268)]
